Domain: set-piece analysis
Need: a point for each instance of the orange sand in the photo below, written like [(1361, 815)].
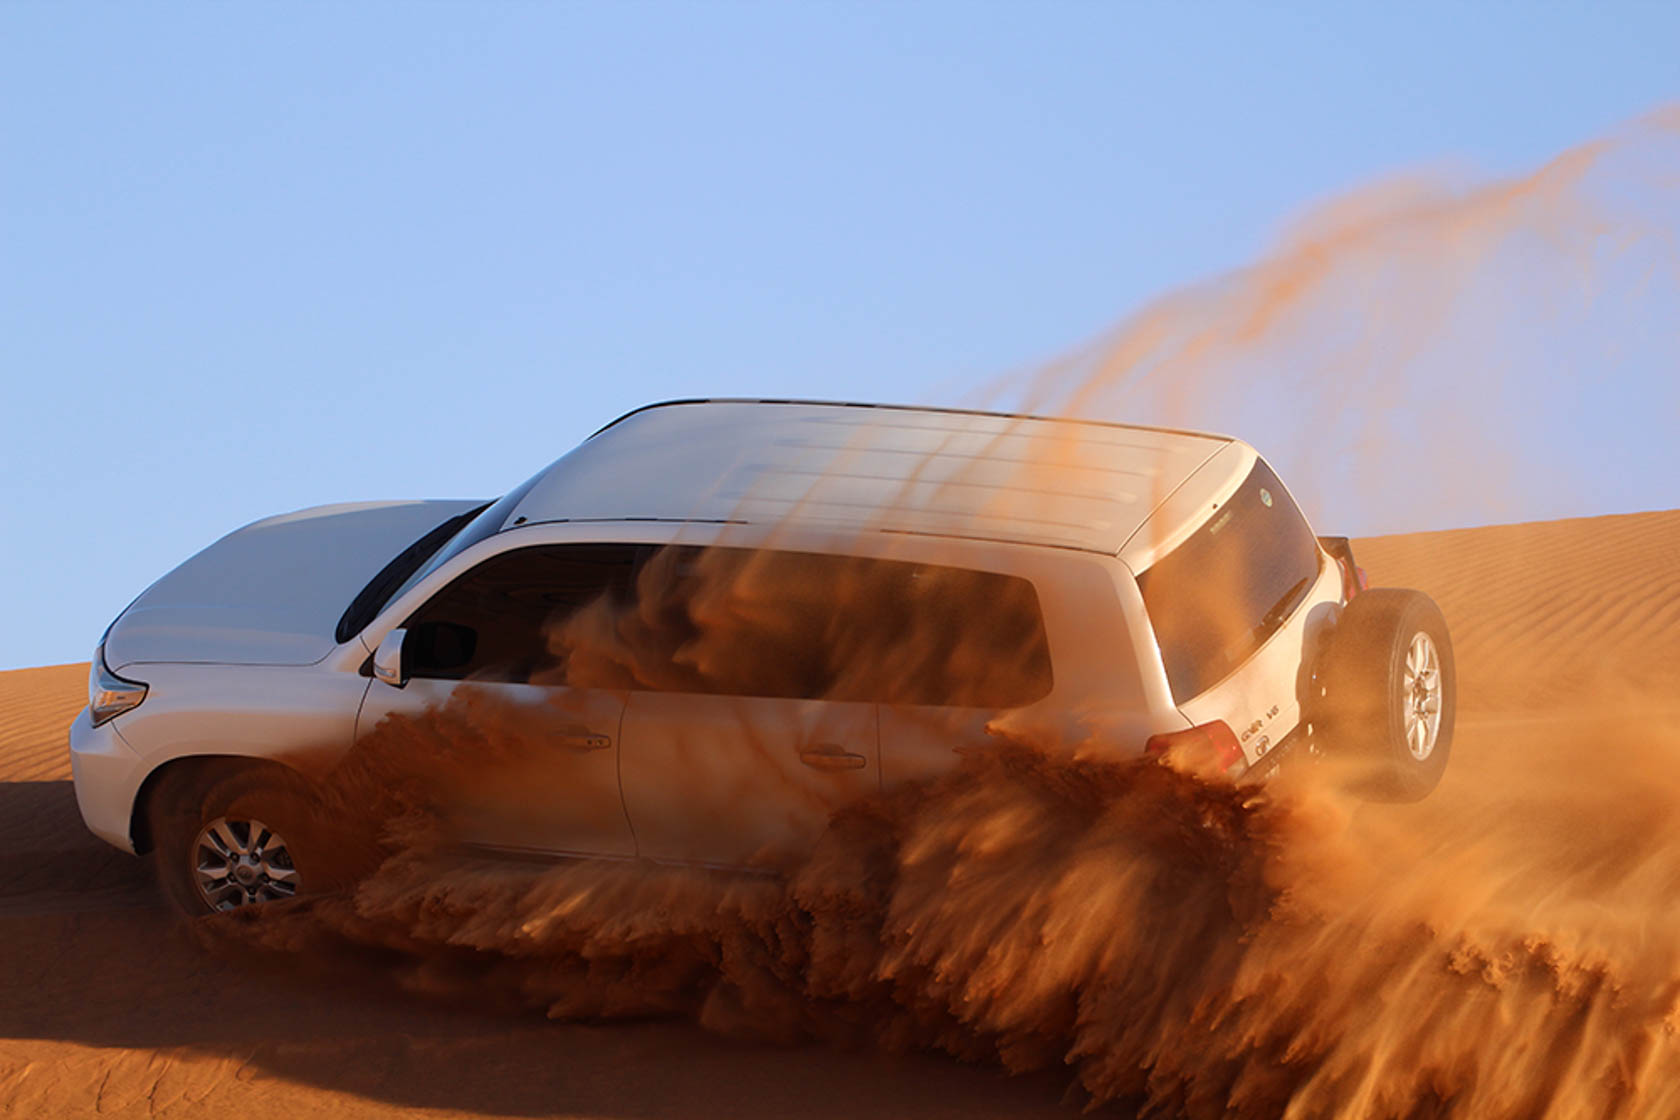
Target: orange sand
[(105, 1007)]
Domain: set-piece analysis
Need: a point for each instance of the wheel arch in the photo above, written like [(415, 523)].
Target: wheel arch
[(196, 767)]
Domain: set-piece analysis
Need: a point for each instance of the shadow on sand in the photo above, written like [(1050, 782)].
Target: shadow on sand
[(93, 957)]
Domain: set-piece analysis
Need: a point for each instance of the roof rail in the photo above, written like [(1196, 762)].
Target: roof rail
[(905, 408)]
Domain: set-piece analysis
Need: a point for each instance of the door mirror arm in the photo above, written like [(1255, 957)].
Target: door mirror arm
[(388, 663)]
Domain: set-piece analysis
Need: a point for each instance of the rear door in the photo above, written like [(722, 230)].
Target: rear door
[(740, 738), (536, 758), (972, 647), (742, 781), (772, 682)]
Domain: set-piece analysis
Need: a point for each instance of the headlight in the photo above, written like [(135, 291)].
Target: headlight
[(109, 695)]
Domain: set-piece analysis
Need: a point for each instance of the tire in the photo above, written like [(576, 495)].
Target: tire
[(1390, 693), (255, 827)]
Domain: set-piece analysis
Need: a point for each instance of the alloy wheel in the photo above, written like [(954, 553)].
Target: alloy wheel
[(1421, 696), (239, 861)]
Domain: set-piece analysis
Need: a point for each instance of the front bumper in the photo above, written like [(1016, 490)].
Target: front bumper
[(107, 773)]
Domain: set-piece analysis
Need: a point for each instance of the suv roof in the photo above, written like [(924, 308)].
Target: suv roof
[(997, 476)]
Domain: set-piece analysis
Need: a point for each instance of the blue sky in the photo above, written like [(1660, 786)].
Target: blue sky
[(260, 257)]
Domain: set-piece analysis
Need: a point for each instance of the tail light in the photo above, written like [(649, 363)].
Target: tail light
[(1214, 741), (1354, 580)]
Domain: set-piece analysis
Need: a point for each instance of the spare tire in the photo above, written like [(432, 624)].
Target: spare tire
[(1389, 693)]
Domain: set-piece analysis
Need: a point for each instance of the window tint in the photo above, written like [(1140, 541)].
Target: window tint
[(1217, 597), (738, 622), (808, 625), (496, 621)]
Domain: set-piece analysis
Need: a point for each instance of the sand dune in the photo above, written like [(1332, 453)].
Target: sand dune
[(107, 1007), (36, 707), (1550, 614), (46, 858)]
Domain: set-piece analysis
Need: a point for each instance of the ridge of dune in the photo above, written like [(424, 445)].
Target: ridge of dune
[(1550, 614)]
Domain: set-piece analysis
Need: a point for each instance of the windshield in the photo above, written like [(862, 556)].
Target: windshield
[(487, 523), (377, 593), (426, 555), (1217, 597)]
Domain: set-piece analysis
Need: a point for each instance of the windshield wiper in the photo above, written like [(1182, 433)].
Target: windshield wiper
[(373, 597), (1280, 609)]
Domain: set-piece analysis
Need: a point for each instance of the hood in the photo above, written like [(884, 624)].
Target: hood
[(272, 592)]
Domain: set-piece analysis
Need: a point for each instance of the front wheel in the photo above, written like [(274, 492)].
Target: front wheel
[(226, 839), (1390, 693)]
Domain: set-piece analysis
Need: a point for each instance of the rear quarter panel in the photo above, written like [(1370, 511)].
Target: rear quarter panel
[(1098, 702), (1263, 700)]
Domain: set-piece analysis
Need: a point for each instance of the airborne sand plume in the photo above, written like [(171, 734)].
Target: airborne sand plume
[(1507, 948), (1428, 351)]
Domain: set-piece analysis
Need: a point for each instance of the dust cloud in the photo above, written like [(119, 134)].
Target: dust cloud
[(1176, 940), (1429, 351), (1182, 943)]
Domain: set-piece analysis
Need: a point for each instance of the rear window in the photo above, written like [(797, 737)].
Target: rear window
[(1217, 597)]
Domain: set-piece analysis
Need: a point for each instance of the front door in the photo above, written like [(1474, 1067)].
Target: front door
[(524, 767), (757, 678), (531, 761)]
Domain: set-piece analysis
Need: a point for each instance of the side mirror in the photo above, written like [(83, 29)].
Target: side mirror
[(388, 659)]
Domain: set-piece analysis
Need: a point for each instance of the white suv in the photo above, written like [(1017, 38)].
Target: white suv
[(737, 616)]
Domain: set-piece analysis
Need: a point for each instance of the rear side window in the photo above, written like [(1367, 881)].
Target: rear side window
[(1216, 598), (740, 622), (818, 626)]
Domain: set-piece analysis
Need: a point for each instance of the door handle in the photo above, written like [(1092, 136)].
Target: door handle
[(586, 742), (827, 756)]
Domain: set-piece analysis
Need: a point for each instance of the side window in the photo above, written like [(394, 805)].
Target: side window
[(956, 637), (815, 626), (497, 622)]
